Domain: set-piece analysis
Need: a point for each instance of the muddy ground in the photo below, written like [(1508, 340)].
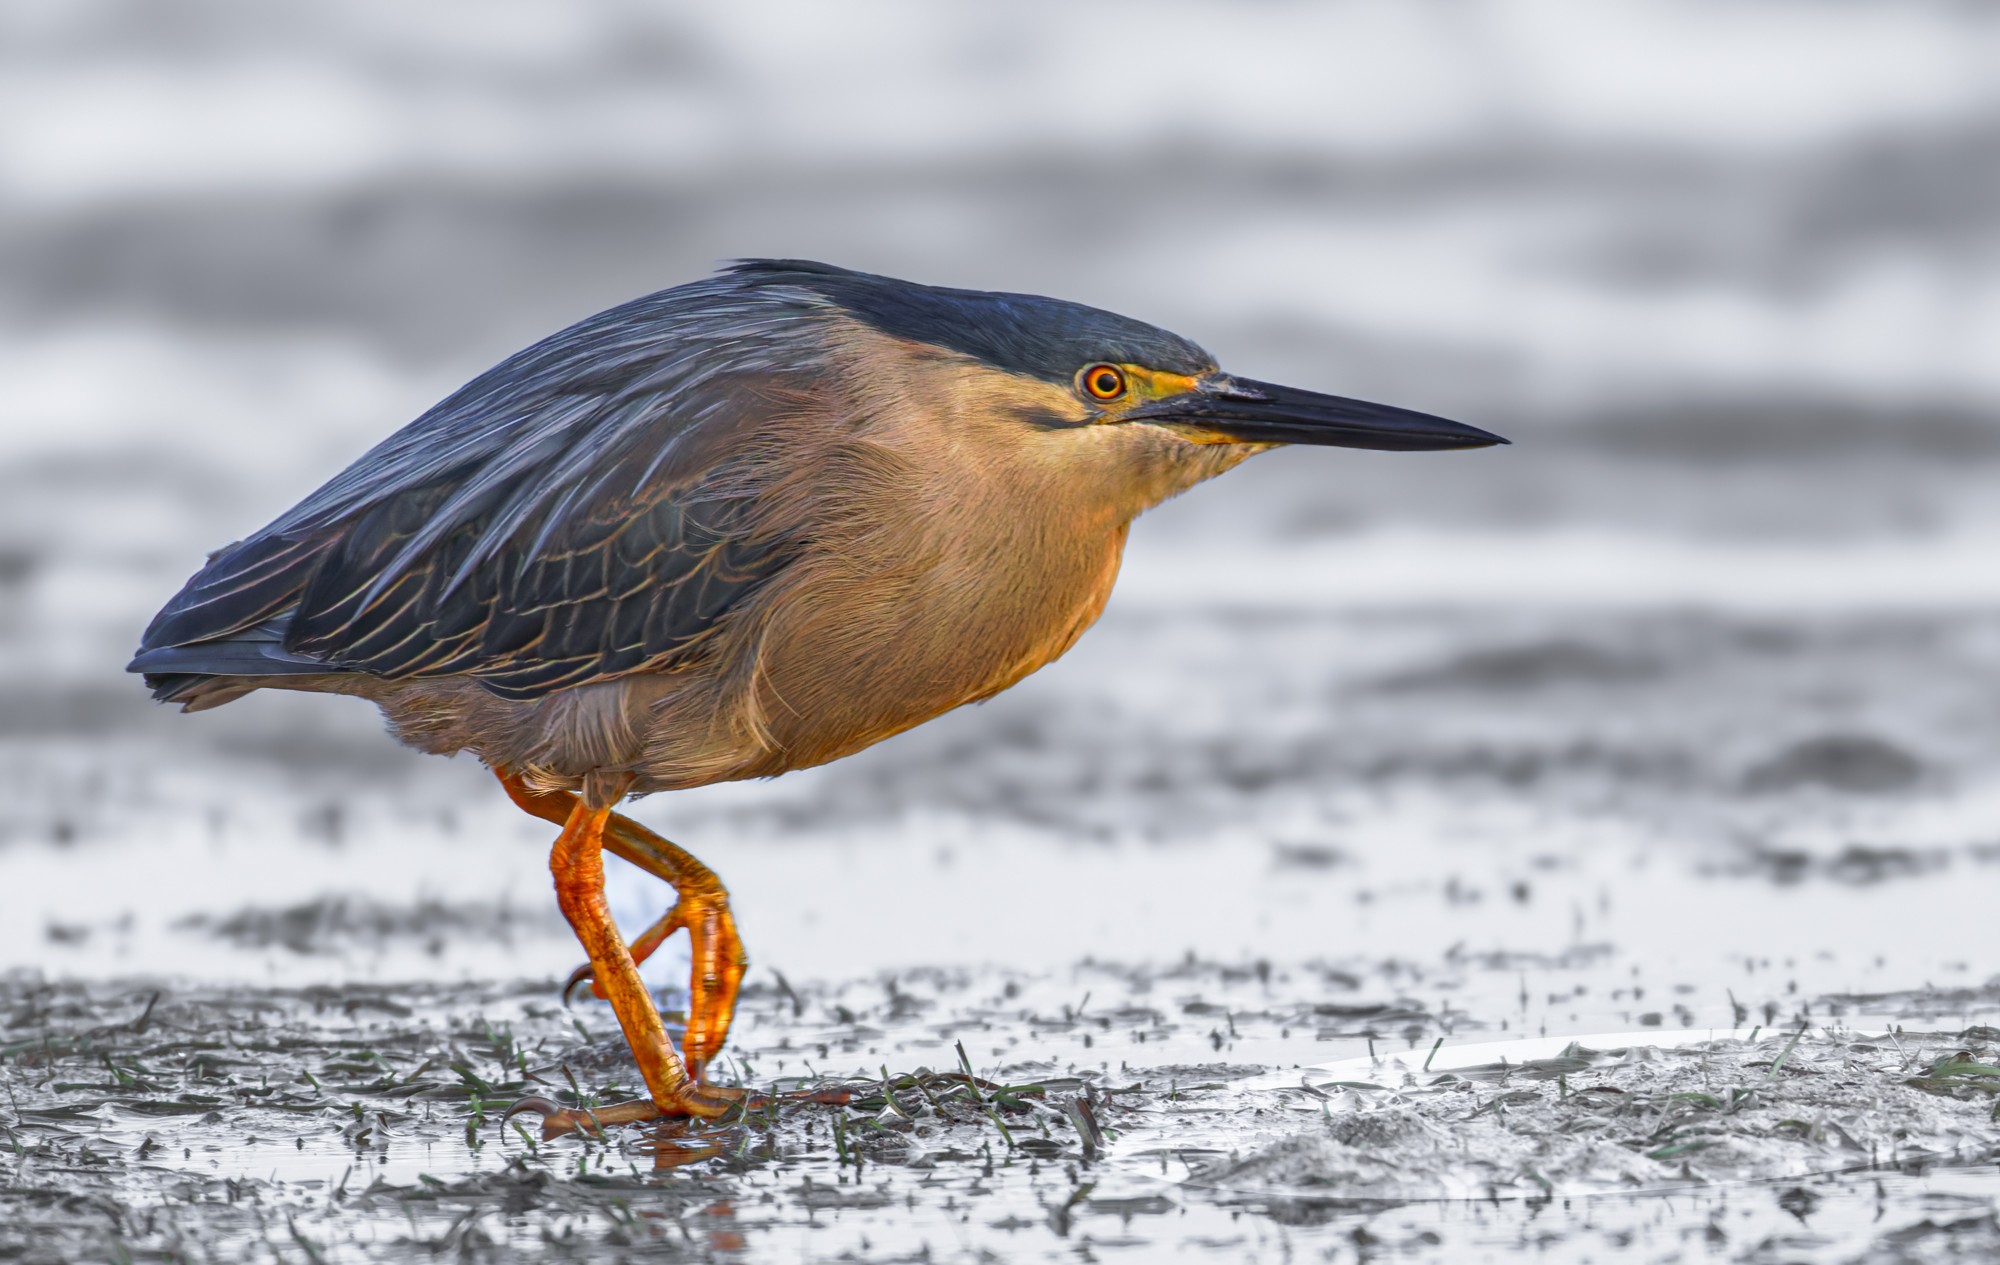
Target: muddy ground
[(276, 1009), (358, 1123)]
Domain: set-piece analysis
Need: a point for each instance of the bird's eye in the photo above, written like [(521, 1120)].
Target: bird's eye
[(1104, 382)]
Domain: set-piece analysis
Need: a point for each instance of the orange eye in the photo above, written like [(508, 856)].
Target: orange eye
[(1104, 382)]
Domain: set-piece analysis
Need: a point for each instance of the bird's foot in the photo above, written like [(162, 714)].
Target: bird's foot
[(698, 1102), (715, 975), (558, 1120)]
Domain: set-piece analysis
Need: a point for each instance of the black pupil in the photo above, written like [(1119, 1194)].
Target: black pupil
[(1104, 382)]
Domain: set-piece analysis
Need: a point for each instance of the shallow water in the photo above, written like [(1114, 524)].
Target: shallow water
[(352, 1121), (1211, 847)]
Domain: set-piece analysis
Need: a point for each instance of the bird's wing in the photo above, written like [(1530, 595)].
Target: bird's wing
[(583, 510)]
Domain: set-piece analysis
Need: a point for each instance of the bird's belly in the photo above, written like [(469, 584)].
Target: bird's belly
[(861, 661)]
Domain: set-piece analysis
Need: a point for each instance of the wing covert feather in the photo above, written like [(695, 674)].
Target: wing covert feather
[(616, 585), (583, 510)]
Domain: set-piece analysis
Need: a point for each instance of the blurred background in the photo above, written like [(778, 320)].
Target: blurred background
[(1701, 672)]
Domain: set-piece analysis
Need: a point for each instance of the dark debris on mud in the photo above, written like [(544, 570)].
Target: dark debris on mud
[(329, 924)]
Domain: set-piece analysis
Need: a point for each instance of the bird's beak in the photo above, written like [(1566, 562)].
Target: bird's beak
[(1223, 409)]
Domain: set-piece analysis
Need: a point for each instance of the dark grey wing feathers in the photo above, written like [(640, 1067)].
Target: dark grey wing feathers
[(574, 514)]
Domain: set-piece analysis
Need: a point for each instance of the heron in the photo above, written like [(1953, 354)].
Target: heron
[(741, 526)]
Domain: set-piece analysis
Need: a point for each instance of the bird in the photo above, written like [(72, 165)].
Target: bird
[(748, 524)]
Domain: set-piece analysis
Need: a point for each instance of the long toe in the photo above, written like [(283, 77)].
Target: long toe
[(558, 1121), (715, 977), (705, 1102)]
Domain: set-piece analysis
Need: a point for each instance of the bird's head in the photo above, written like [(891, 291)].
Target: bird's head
[(1091, 380)]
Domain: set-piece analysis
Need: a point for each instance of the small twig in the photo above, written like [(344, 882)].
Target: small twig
[(139, 1024), (1779, 1062), (785, 987), (971, 1079)]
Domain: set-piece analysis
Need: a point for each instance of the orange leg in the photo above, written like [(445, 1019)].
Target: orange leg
[(702, 907), (577, 862)]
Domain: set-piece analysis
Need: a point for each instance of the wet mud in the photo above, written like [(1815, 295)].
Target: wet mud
[(1202, 959), (170, 1122), (1169, 954)]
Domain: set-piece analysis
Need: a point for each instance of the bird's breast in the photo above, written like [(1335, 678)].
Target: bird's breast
[(894, 631)]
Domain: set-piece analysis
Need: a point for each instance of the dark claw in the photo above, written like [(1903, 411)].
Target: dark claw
[(581, 975), (547, 1106)]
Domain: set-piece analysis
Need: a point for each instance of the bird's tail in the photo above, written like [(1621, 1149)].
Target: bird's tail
[(210, 673), (195, 691)]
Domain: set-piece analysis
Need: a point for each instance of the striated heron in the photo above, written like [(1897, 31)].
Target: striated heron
[(745, 525)]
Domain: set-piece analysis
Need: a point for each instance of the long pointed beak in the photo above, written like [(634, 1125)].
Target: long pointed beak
[(1237, 410)]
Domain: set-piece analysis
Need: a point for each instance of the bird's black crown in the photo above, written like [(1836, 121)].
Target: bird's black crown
[(1021, 333)]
